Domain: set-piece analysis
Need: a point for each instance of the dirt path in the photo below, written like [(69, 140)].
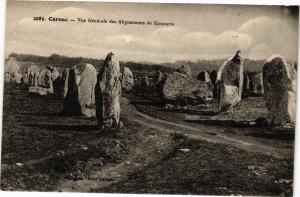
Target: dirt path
[(213, 137), (155, 142)]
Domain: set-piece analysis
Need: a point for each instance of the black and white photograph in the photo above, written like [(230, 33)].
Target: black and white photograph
[(149, 98)]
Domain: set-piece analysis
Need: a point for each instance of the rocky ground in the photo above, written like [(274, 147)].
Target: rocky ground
[(158, 151)]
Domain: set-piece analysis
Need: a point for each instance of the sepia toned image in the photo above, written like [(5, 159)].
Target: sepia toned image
[(149, 98)]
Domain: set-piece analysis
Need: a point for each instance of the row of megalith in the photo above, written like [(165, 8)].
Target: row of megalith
[(90, 93), (83, 90), (277, 83), (227, 86)]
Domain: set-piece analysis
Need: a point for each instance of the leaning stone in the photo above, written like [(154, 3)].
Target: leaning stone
[(229, 85), (279, 81), (108, 93)]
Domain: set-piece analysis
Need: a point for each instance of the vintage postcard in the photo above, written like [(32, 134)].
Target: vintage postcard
[(149, 98)]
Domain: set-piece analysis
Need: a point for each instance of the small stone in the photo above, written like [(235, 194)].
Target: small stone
[(251, 167), (286, 181), (257, 173), (252, 123), (184, 150), (60, 153), (84, 147), (289, 126)]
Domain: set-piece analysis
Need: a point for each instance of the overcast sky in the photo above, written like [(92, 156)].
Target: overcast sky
[(200, 31)]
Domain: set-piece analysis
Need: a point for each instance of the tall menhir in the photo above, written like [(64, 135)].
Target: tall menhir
[(108, 93)]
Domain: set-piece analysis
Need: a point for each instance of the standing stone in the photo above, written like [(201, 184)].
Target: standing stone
[(204, 76), (48, 82), (145, 82), (35, 79), (33, 75), (258, 87), (247, 84), (11, 66), (279, 82), (157, 78), (57, 88), (55, 76), (25, 79), (127, 79), (41, 78), (246, 81), (7, 78), (71, 101), (186, 70), (64, 82), (18, 78), (229, 85), (45, 83), (30, 79), (80, 98), (213, 76), (108, 93)]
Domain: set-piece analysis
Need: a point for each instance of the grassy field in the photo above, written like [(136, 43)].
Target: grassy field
[(158, 151), (40, 146)]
